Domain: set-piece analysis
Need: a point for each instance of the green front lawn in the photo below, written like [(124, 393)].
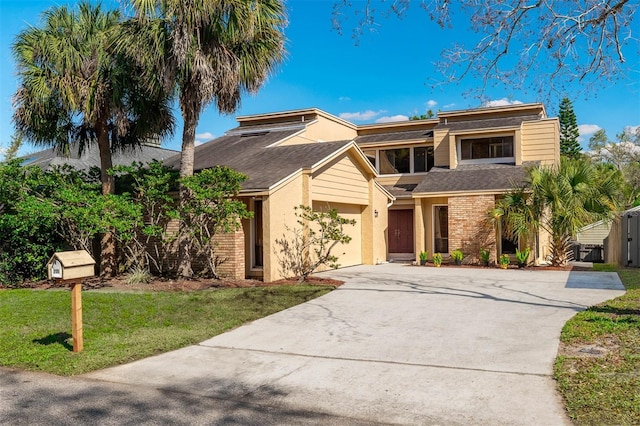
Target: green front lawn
[(598, 368), (35, 325)]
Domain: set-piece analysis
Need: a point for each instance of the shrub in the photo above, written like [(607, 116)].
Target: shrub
[(313, 242), (210, 208), (485, 255), (138, 276), (504, 261), (522, 256), (424, 255), (457, 255), (437, 259)]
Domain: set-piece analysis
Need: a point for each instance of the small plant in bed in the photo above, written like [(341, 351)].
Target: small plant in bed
[(504, 261), (485, 255), (522, 257), (457, 255)]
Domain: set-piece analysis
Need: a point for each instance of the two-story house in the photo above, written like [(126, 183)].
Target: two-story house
[(447, 172), (411, 186)]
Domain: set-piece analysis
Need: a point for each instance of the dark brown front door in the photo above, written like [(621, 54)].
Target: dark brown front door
[(400, 231)]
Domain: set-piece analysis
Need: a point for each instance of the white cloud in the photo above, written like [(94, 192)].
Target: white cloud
[(501, 102), (431, 103), (588, 129), (360, 116), (344, 99), (203, 137), (393, 118), (449, 105)]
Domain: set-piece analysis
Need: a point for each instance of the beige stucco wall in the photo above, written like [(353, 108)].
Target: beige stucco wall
[(323, 129), (376, 242), (541, 141), (343, 184), (279, 212)]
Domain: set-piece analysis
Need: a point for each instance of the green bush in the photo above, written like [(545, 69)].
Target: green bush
[(457, 255), (27, 224)]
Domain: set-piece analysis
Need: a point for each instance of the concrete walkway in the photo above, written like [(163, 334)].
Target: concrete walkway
[(395, 344)]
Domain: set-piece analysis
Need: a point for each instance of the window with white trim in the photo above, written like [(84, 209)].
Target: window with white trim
[(401, 160), (493, 148)]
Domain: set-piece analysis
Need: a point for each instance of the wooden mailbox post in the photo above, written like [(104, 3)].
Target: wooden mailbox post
[(71, 267)]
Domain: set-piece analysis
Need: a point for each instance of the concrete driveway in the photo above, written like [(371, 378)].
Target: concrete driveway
[(395, 344)]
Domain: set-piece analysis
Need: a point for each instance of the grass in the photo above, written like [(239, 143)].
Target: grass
[(35, 325), (598, 369)]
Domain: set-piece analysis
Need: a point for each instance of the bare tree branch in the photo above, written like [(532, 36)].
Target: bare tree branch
[(544, 44)]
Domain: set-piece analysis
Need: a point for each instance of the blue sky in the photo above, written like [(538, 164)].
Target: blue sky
[(387, 76)]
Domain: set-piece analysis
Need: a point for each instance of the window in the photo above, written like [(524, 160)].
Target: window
[(441, 229), (371, 156), (401, 160), (422, 159), (257, 234), (508, 246), (393, 161), (486, 148)]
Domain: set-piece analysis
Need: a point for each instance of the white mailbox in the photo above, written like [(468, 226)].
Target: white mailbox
[(69, 265)]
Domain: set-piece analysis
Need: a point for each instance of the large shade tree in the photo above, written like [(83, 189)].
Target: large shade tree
[(76, 89), (209, 51)]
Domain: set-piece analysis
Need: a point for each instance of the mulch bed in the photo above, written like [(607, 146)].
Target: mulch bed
[(169, 284), (528, 268), (174, 284)]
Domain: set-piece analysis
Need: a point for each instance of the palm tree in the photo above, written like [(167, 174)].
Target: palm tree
[(561, 199), (211, 50), (75, 88)]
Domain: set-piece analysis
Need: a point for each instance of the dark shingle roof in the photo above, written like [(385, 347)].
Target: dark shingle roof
[(395, 136), (91, 157), (481, 177), (487, 123), (250, 154), (257, 128), (400, 190)]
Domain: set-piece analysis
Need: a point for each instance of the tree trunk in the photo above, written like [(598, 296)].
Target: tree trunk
[(190, 114), (107, 243)]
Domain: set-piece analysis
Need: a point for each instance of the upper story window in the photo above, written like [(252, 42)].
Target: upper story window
[(394, 161), (494, 149), (401, 160)]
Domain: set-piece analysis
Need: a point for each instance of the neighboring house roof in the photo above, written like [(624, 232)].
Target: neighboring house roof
[(252, 154), (606, 223), (394, 136), (487, 123), (477, 177), (91, 157)]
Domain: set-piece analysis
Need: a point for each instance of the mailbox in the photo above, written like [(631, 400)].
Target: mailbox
[(69, 265)]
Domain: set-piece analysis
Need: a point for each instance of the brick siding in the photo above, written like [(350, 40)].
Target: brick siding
[(469, 227), (229, 251)]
